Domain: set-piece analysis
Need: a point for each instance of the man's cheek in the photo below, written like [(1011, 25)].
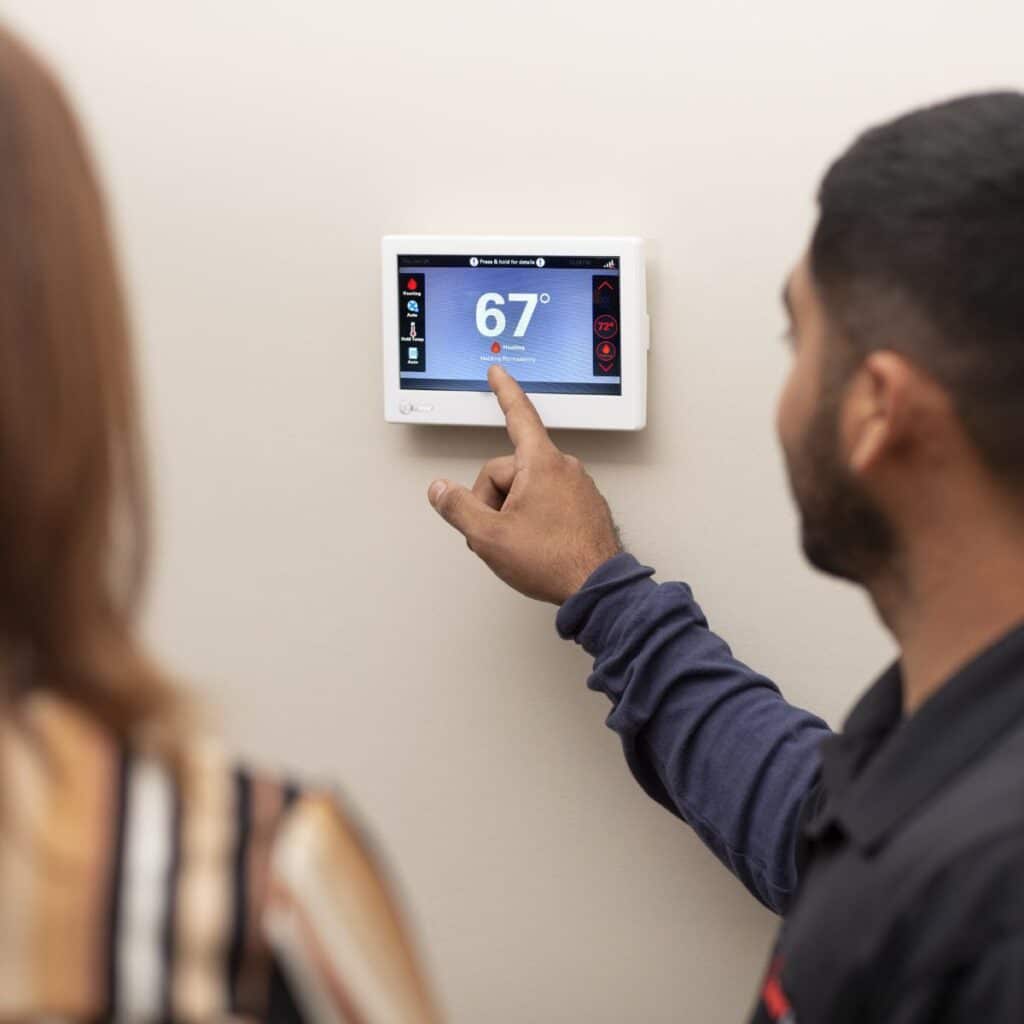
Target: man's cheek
[(797, 402), (784, 413)]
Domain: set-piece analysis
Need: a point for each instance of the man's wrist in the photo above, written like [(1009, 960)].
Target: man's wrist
[(591, 614), (589, 565)]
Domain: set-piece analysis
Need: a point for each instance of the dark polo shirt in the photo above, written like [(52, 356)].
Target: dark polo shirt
[(895, 850)]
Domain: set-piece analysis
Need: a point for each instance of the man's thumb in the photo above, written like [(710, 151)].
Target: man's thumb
[(460, 507)]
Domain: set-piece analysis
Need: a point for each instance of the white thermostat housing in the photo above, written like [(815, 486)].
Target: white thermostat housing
[(567, 317)]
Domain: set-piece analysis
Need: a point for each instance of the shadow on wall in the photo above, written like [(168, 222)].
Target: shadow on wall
[(483, 443)]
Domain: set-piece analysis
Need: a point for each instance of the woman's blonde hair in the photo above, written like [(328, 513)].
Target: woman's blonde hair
[(74, 532)]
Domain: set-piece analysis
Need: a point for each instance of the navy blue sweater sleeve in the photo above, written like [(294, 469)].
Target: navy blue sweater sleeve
[(706, 736)]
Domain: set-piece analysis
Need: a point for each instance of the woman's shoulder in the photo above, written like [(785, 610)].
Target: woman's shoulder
[(213, 811), (213, 889), (165, 862), (209, 798), (321, 904)]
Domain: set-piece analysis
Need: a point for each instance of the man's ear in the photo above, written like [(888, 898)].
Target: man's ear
[(876, 411)]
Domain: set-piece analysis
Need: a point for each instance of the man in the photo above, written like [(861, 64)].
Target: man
[(895, 849)]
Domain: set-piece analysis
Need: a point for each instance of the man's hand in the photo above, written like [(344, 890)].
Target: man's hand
[(536, 518)]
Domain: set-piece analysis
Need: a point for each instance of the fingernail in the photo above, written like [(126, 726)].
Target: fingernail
[(437, 488)]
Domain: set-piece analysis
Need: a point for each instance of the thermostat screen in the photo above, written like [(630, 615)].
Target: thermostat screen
[(551, 321)]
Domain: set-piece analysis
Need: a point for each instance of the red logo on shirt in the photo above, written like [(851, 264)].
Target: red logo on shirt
[(774, 998)]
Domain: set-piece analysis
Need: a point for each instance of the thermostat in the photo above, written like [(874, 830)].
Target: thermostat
[(567, 317)]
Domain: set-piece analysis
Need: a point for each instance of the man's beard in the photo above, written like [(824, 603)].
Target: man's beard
[(844, 532)]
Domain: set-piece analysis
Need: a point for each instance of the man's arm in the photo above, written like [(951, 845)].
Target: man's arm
[(707, 737)]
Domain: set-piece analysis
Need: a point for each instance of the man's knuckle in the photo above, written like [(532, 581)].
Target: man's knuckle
[(487, 539), (495, 468), (477, 541), (549, 459)]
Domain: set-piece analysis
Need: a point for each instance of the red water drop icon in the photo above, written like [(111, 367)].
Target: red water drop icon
[(412, 284), (496, 348)]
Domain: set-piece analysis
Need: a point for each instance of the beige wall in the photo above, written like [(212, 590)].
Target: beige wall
[(256, 151)]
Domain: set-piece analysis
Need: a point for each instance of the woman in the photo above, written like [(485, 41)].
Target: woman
[(142, 876)]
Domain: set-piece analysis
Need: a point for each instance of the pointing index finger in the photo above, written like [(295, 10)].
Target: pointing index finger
[(525, 426)]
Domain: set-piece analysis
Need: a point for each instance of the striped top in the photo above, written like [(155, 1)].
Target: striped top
[(130, 892)]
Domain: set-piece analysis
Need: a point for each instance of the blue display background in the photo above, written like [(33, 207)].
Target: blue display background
[(558, 344)]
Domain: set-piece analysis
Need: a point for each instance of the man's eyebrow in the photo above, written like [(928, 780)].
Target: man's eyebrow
[(787, 302)]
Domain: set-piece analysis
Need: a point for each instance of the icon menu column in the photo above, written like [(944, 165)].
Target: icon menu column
[(607, 357), (412, 319)]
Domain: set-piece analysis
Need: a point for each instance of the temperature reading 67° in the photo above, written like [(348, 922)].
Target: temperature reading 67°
[(490, 317)]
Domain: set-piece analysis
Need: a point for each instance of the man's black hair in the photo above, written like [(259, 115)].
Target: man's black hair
[(919, 248)]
